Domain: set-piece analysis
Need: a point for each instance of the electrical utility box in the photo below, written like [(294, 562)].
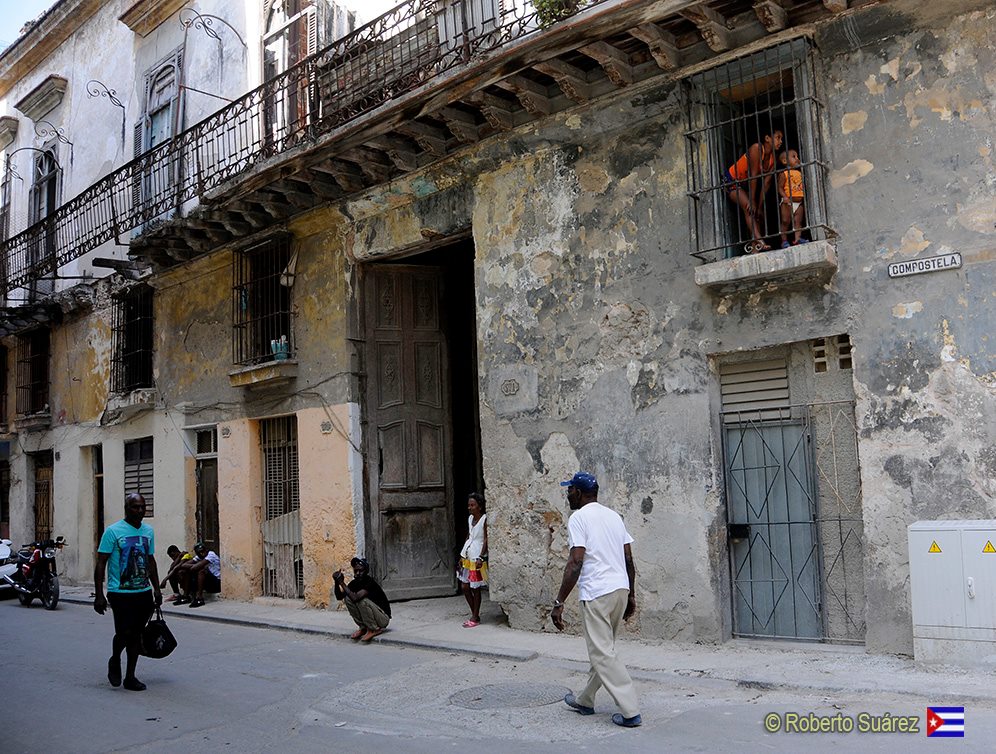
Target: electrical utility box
[(953, 589)]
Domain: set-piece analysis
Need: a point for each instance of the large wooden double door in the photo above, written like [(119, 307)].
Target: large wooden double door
[(409, 432)]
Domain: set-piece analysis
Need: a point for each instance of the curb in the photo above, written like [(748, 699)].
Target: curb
[(499, 653)]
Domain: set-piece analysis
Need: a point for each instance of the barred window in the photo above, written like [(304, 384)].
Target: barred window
[(32, 372), (283, 553), (4, 358), (131, 362), (138, 463), (261, 303), (756, 171)]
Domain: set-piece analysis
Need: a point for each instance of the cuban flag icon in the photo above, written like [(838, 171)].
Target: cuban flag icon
[(946, 722)]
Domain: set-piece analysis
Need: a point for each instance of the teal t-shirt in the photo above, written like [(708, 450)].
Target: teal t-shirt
[(129, 549)]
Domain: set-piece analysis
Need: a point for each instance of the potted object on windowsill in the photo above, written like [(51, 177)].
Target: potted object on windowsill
[(280, 348), (548, 12)]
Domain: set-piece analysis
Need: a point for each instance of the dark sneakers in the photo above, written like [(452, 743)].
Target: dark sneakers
[(133, 684), (571, 702), (197, 603), (627, 722), (181, 600), (114, 671)]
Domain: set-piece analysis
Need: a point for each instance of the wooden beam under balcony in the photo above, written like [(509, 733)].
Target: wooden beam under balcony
[(711, 25), (533, 96), (773, 14), (662, 44), (614, 62), (573, 82)]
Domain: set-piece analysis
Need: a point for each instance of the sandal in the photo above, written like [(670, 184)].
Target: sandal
[(370, 634), (471, 623), (357, 634)]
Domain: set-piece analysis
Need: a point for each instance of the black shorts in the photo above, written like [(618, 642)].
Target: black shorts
[(132, 610), (212, 584)]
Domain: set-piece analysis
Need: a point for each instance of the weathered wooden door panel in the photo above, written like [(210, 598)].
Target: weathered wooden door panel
[(409, 431)]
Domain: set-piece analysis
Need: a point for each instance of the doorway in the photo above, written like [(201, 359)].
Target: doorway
[(44, 466), (206, 476), (422, 430)]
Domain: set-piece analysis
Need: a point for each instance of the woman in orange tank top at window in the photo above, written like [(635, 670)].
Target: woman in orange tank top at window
[(758, 161)]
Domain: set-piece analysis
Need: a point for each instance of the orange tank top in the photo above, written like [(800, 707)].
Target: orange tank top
[(740, 170)]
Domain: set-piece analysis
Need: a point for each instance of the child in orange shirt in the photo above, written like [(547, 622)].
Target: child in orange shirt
[(792, 193)]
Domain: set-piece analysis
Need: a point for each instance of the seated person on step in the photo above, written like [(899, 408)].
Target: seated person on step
[(365, 600), (201, 574), (177, 557)]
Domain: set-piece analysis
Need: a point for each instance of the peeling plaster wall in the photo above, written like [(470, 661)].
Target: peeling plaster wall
[(586, 296), (917, 110)]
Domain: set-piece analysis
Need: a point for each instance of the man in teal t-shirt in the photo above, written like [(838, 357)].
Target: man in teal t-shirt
[(126, 551)]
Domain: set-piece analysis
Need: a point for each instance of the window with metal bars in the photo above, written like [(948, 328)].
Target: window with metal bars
[(263, 276), (32, 372), (281, 488), (131, 362), (756, 171), (138, 471), (207, 441), (45, 196), (4, 356)]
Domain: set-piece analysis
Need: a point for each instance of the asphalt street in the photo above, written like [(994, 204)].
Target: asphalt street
[(252, 690)]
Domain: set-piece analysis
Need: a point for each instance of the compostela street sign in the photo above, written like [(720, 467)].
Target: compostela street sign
[(930, 264)]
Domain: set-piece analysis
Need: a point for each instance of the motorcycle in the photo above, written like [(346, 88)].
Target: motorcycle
[(8, 565), (36, 574)]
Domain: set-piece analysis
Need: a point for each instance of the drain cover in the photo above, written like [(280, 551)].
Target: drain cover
[(501, 695)]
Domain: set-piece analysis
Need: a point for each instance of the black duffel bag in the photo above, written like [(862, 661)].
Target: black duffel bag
[(157, 640)]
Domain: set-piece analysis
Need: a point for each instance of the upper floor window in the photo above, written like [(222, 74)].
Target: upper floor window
[(4, 356), (32, 372), (131, 362), (161, 120), (756, 171), (43, 200), (262, 278)]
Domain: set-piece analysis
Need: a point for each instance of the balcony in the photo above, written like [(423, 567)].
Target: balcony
[(408, 89)]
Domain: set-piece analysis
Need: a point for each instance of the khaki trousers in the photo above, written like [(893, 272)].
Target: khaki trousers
[(601, 619), (366, 613)]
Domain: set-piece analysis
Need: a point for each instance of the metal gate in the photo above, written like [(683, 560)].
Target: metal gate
[(43, 496), (283, 567), (794, 522)]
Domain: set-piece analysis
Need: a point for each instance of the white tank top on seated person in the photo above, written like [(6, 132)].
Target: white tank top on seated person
[(602, 534), (474, 545)]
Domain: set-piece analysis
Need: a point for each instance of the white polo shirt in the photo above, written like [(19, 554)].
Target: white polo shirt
[(602, 534)]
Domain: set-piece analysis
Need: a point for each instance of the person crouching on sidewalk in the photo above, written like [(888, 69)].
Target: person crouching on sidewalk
[(366, 602)]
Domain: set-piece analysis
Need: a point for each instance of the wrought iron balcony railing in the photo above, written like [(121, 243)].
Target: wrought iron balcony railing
[(403, 49)]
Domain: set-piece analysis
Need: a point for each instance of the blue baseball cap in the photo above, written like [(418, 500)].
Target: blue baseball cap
[(582, 480)]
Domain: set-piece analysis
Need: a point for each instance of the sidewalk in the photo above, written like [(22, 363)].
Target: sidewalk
[(436, 624)]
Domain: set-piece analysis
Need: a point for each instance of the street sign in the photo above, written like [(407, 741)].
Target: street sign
[(950, 261)]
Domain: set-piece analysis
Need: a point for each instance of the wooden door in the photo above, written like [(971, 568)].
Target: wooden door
[(207, 502), (409, 455)]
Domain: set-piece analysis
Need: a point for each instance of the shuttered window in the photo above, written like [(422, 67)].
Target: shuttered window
[(759, 388), (281, 491), (138, 471)]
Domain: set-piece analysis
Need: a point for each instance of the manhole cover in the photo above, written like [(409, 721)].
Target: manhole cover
[(501, 695)]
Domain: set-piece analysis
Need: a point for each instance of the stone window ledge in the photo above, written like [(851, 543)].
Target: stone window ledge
[(808, 263), (270, 374), (29, 422), (44, 98), (8, 130), (135, 402)]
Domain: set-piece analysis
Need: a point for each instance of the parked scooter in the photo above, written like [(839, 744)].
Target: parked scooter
[(36, 574), (8, 565)]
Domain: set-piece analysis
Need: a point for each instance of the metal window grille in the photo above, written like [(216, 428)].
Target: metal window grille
[(131, 363), (283, 574), (4, 360), (207, 441), (138, 471), (261, 303), (32, 372), (43, 495), (4, 497), (730, 109)]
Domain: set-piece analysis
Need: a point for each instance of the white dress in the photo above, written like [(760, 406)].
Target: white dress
[(471, 551)]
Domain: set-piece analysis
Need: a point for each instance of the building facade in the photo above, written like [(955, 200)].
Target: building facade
[(476, 245)]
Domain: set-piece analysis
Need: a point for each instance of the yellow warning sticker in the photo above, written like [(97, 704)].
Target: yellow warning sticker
[(934, 547), (989, 547)]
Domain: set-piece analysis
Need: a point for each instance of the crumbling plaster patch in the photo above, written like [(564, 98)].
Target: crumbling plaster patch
[(852, 172), (920, 460)]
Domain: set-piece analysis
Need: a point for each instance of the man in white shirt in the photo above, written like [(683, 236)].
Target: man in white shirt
[(601, 564), (200, 574)]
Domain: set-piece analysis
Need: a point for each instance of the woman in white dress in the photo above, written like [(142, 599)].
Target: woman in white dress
[(472, 568)]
